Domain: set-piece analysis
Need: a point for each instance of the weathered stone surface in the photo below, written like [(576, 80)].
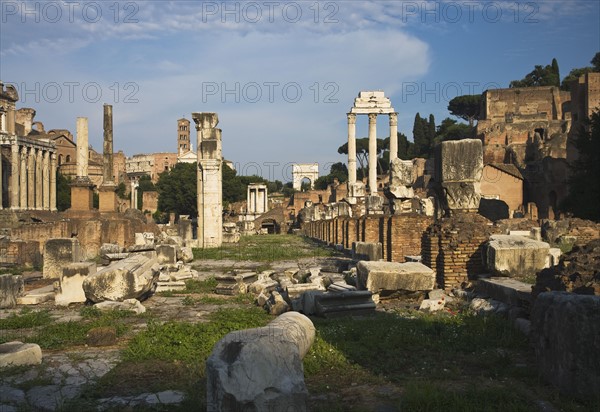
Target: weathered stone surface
[(70, 289), (509, 291), (432, 305), (277, 304), (102, 336), (166, 254), (337, 287), (516, 255), (145, 238), (296, 290), (564, 332), (37, 296), (11, 287), (367, 251), (185, 254), (58, 253), (358, 302), (411, 276), (263, 286), (401, 172), (261, 369), (19, 354), (129, 278), (577, 272), (459, 167), (128, 305), (109, 248)]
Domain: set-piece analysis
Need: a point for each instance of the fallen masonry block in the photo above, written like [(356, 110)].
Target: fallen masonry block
[(70, 286), (111, 248), (276, 304), (37, 296), (171, 286), (512, 256), (357, 302), (296, 290), (409, 276), (339, 287), (58, 253), (185, 254), (19, 354), (263, 286), (166, 254), (108, 258), (130, 278), (261, 369), (432, 305), (129, 305), (234, 284), (564, 333), (506, 290), (11, 287)]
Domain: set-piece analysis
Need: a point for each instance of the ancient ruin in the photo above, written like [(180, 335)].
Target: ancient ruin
[(210, 190)]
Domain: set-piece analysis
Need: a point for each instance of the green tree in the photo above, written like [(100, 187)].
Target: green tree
[(584, 190), (450, 129), (578, 72), (288, 189), (466, 107), (362, 153), (337, 171), (177, 190), (63, 192), (145, 185), (233, 188), (540, 76), (419, 136), (121, 190)]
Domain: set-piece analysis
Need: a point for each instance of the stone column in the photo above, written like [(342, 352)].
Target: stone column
[(31, 178), (393, 136), (82, 147), (351, 149), (53, 182), (209, 183), (23, 177), (373, 153), (14, 175), (107, 170), (39, 181), (133, 204), (82, 194), (46, 180), (1, 176)]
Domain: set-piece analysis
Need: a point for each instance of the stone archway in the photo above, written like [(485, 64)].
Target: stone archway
[(302, 171)]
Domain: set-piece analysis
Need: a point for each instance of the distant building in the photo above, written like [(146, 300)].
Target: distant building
[(149, 164)]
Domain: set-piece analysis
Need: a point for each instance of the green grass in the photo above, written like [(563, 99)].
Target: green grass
[(218, 300), (54, 335), (267, 248), (26, 319)]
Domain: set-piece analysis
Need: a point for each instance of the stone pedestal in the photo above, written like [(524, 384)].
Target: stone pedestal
[(108, 198), (82, 194)]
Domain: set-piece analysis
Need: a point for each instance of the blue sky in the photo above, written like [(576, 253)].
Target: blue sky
[(281, 75)]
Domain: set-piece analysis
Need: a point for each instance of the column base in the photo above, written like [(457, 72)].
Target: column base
[(108, 198), (82, 194)]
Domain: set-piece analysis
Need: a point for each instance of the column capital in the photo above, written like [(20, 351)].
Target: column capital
[(372, 117), (351, 118), (393, 119)]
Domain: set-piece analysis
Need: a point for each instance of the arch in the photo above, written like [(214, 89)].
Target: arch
[(60, 159), (271, 226), (68, 159), (302, 171)]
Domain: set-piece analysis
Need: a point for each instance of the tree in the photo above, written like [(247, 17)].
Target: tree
[(121, 190), (177, 190), (145, 185), (362, 153), (540, 76), (337, 171), (450, 129), (578, 72), (419, 136), (63, 192), (584, 191), (288, 189), (466, 107), (233, 188)]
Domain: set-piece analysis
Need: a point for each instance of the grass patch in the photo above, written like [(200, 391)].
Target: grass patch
[(26, 319), (428, 397), (53, 335), (188, 342), (266, 248), (193, 286), (241, 299)]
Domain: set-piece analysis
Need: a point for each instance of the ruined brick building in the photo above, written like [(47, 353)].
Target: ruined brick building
[(533, 129)]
